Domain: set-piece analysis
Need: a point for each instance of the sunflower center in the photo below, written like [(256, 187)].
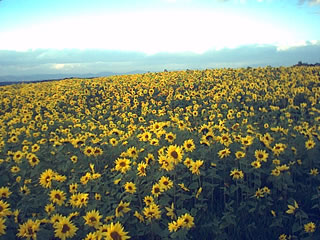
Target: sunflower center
[(189, 145), (30, 231), (57, 196), (165, 183), (47, 179), (260, 156), (174, 154), (122, 164), (115, 235), (65, 228), (156, 190), (93, 219)]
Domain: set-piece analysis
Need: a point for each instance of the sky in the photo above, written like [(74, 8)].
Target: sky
[(78, 36)]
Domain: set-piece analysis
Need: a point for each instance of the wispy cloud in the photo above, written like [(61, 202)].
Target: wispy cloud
[(310, 2)]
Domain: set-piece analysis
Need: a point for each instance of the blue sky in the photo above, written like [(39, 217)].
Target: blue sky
[(39, 36)]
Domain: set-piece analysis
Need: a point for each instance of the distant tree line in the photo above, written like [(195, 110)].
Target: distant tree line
[(306, 64)]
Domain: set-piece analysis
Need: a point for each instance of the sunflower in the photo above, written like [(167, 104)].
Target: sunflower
[(261, 155), (92, 219), (156, 189), (187, 162), (29, 229), (224, 153), (309, 227), (49, 208), (114, 142), (195, 165), (166, 163), (186, 221), (85, 178), (2, 226), (93, 236), (97, 151), (259, 193), (74, 159), (25, 190), (309, 144), (148, 200), (4, 209), (152, 211), (33, 160), (240, 154), (278, 148), (183, 187), (79, 200), (15, 169), (142, 169), (266, 139), (173, 226), (122, 165), (170, 137), (314, 171), (275, 172), (88, 151), (204, 129), (165, 183), (64, 228), (225, 139), (256, 164), (189, 145), (132, 153), (35, 148), (46, 178), (116, 232), (145, 137), (130, 187), (17, 156), (247, 141), (175, 153), (236, 174), (149, 158), (57, 196), (170, 211), (73, 188), (154, 142), (139, 216), (4, 192), (123, 207)]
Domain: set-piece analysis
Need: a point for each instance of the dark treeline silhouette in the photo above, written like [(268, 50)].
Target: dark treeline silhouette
[(306, 64)]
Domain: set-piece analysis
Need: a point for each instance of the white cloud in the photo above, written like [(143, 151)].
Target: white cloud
[(288, 45), (58, 66), (149, 32)]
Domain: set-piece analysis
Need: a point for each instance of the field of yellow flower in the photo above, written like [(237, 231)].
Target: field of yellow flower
[(211, 154)]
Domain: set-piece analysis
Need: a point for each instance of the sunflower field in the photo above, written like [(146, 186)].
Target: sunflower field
[(195, 154)]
